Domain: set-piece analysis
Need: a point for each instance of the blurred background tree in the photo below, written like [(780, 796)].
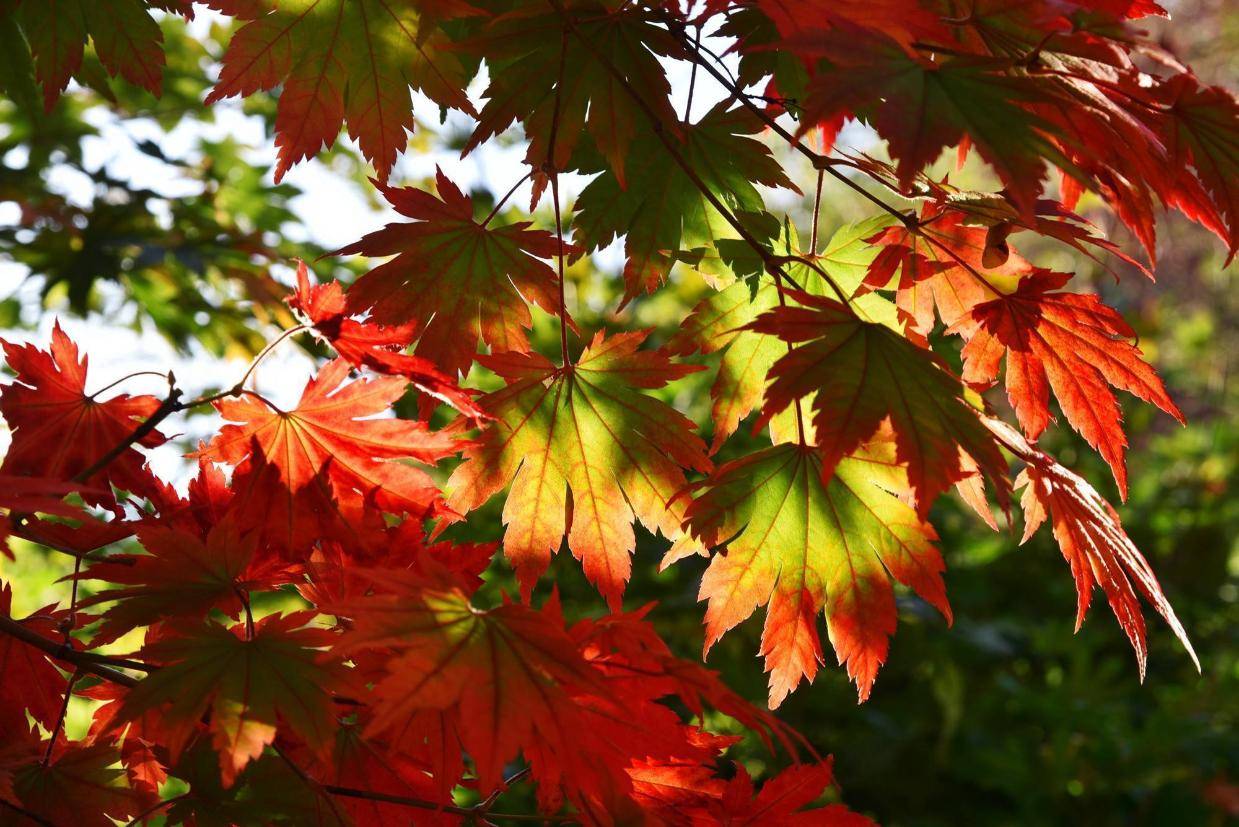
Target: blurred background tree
[(1007, 718)]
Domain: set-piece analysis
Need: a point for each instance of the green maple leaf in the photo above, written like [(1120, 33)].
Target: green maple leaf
[(718, 323), (660, 211), (801, 546), (583, 428)]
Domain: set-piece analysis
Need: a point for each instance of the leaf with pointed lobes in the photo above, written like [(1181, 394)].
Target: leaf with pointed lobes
[(23, 496), (126, 40), (660, 211), (81, 785), (248, 687), (941, 265), (455, 278), (30, 680), (781, 801), (330, 445), (1097, 548), (582, 429), (716, 324), (861, 375), (372, 345), (582, 706), (59, 431), (525, 49), (922, 105), (1069, 343), (338, 61), (1203, 130), (803, 543), (504, 675), (180, 575), (718, 321)]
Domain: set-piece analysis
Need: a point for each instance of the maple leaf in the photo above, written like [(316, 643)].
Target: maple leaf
[(81, 785), (1068, 342), (372, 765), (527, 83), (804, 543), (865, 373), (370, 345), (1204, 130), (781, 799), (719, 321), (326, 450), (268, 791), (1097, 548), (126, 40), (180, 576), (59, 431), (247, 686), (582, 429), (31, 681), (456, 278), (138, 742), (578, 705), (942, 265), (338, 61), (504, 675), (922, 106), (661, 213), (717, 324), (23, 496)]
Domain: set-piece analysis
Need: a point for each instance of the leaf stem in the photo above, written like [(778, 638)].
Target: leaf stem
[(499, 204), (165, 409), (817, 211), (552, 172), (125, 378), (692, 79), (60, 719)]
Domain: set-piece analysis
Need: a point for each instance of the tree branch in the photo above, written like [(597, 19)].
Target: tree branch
[(84, 661)]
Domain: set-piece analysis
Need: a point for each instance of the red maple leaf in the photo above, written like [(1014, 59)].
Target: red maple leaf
[(371, 345), (1068, 342), (454, 277), (59, 431), (328, 454), (1098, 550)]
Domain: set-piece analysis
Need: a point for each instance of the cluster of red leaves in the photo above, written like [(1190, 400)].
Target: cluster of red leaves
[(390, 685)]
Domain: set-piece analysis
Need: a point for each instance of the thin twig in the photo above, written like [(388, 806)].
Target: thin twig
[(125, 378), (84, 661), (60, 719), (499, 204), (24, 813), (165, 409), (369, 795), (156, 807)]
